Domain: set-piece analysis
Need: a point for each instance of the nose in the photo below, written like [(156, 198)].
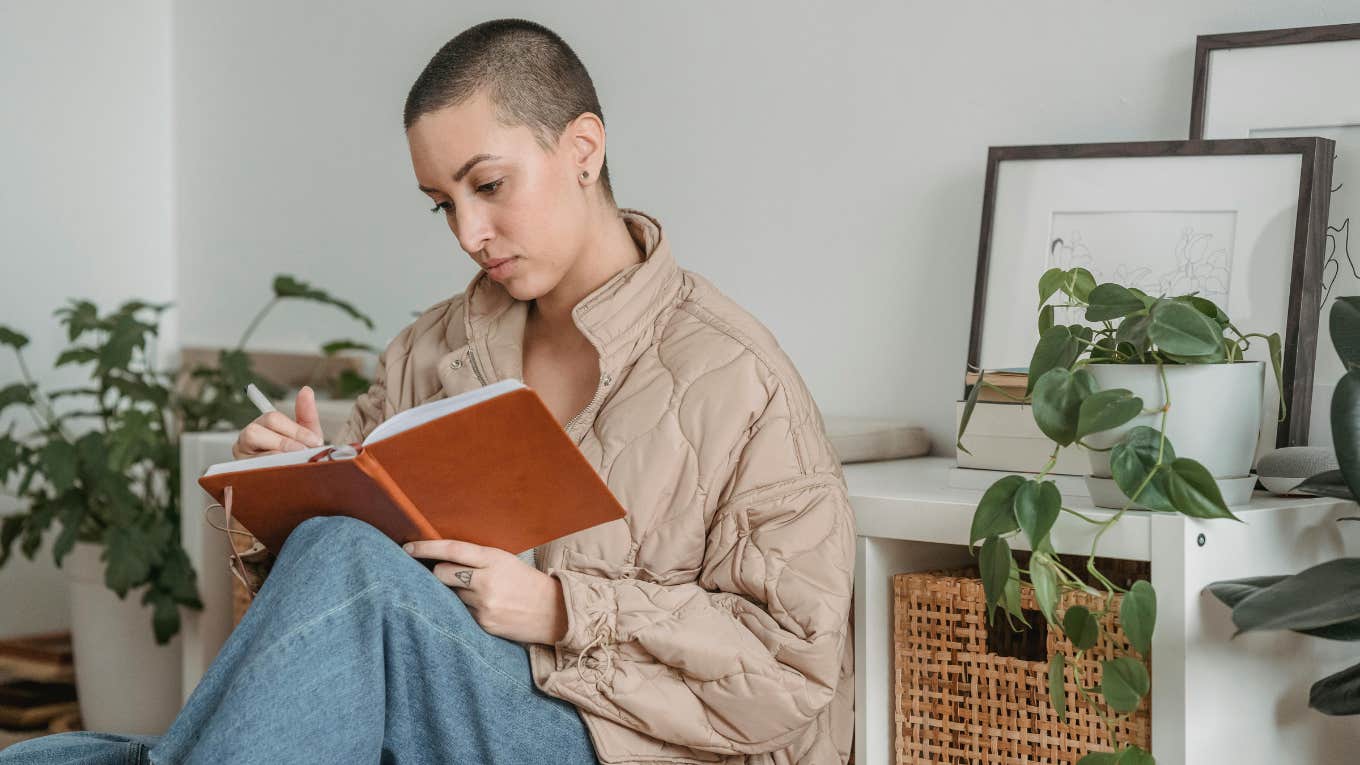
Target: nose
[(472, 227)]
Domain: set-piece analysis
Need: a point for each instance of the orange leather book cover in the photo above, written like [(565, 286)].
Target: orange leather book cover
[(501, 473)]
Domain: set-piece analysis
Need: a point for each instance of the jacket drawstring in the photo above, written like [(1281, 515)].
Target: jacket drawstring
[(602, 625)]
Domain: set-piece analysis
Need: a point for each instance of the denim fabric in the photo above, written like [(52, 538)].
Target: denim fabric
[(353, 652)]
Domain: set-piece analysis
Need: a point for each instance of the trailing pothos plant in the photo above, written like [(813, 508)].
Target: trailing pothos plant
[(1123, 325), (102, 458), (1324, 600)]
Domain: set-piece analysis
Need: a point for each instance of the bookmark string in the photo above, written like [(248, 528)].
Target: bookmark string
[(238, 565)]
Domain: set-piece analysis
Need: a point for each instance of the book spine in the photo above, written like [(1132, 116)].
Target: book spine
[(366, 462)]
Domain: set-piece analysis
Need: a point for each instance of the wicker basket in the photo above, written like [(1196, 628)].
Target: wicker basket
[(957, 701)]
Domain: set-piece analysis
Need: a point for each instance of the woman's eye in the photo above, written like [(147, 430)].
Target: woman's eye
[(440, 206), (490, 188)]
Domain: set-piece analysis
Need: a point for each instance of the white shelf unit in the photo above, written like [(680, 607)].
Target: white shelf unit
[(1215, 698)]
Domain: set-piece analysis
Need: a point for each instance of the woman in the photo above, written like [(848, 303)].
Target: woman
[(709, 626)]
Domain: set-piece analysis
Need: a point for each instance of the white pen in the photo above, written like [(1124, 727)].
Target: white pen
[(259, 399)]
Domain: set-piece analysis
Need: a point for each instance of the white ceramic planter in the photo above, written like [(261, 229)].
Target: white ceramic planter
[(126, 682), (1215, 419)]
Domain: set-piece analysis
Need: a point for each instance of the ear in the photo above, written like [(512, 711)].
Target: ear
[(585, 136)]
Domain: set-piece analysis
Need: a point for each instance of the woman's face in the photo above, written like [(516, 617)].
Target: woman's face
[(503, 196)]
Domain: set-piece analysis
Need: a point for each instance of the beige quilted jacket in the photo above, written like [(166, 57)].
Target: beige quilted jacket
[(712, 624)]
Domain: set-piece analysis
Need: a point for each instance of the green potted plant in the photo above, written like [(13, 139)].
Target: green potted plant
[(1323, 600), (1128, 336), (102, 463)]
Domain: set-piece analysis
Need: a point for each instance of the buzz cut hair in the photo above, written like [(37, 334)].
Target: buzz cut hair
[(529, 73)]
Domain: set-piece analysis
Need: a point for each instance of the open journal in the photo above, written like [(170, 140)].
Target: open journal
[(490, 466)]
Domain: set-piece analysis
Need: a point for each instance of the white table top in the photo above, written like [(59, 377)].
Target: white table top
[(912, 499)]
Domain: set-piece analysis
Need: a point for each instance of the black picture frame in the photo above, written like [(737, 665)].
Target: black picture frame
[(1207, 44), (1300, 334)]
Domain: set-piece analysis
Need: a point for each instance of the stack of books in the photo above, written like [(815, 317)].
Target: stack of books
[(1003, 437), (37, 687)]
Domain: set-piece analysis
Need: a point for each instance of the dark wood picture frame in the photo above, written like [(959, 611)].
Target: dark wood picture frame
[(1300, 335), (1207, 44)]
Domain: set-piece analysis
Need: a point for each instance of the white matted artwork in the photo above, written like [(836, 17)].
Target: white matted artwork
[(1161, 252), (1299, 82), (1217, 218)]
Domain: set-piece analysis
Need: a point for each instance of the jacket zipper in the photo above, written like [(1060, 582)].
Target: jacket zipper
[(476, 370), (599, 389)]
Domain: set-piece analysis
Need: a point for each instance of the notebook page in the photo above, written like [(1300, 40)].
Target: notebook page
[(401, 421), (264, 461), (410, 418)]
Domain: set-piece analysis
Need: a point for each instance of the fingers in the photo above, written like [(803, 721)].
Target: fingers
[(307, 416), (274, 432), (453, 550), (457, 577)]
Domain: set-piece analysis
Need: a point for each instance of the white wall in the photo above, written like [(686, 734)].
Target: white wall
[(84, 204), (822, 163)]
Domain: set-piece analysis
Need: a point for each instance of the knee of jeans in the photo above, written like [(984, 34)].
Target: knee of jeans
[(338, 528), (340, 537)]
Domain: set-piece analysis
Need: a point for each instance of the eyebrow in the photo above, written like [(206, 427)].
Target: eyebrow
[(462, 171)]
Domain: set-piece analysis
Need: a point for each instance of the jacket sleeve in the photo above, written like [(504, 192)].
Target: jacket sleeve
[(745, 658), (370, 408)]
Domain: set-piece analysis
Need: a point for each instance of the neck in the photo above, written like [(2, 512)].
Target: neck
[(609, 250)]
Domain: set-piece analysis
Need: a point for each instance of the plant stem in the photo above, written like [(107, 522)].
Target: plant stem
[(1081, 689), (40, 401), (1083, 516), (255, 322)]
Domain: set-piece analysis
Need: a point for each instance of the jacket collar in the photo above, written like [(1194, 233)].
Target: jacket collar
[(619, 318)]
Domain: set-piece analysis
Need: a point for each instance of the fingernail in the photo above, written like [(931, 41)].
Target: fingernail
[(408, 547)]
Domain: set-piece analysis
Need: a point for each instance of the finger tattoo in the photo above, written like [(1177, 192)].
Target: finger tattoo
[(465, 577)]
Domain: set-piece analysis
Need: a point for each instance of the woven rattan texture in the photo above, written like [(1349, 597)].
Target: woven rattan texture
[(955, 702)]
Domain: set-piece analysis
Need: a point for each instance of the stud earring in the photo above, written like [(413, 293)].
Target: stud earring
[(585, 173)]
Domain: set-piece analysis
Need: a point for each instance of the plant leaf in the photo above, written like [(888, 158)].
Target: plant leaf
[(1138, 615), (1337, 694), (1179, 328), (968, 405), (15, 393), (1133, 458), (12, 338), (1100, 758), (1057, 690), (1135, 756), (1045, 583), (1050, 282), (1233, 591), (1323, 595), (1036, 509), (1343, 322), (1111, 301), (1107, 409), (1056, 349), (1194, 492), (1345, 417), (288, 287), (1081, 627), (994, 564), (995, 514), (1080, 283), (336, 346), (1123, 683), (1328, 483), (1057, 402)]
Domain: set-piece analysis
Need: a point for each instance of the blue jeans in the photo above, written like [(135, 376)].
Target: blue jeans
[(352, 652)]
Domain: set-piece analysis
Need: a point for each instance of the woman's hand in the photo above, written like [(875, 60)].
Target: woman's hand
[(507, 596), (273, 432)]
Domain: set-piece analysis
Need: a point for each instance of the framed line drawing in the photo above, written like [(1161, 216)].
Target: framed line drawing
[(1295, 82), (1239, 221)]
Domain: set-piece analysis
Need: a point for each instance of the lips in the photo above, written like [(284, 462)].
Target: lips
[(490, 264)]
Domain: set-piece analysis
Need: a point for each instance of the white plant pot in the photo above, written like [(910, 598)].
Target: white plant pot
[(125, 681), (1215, 419)]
